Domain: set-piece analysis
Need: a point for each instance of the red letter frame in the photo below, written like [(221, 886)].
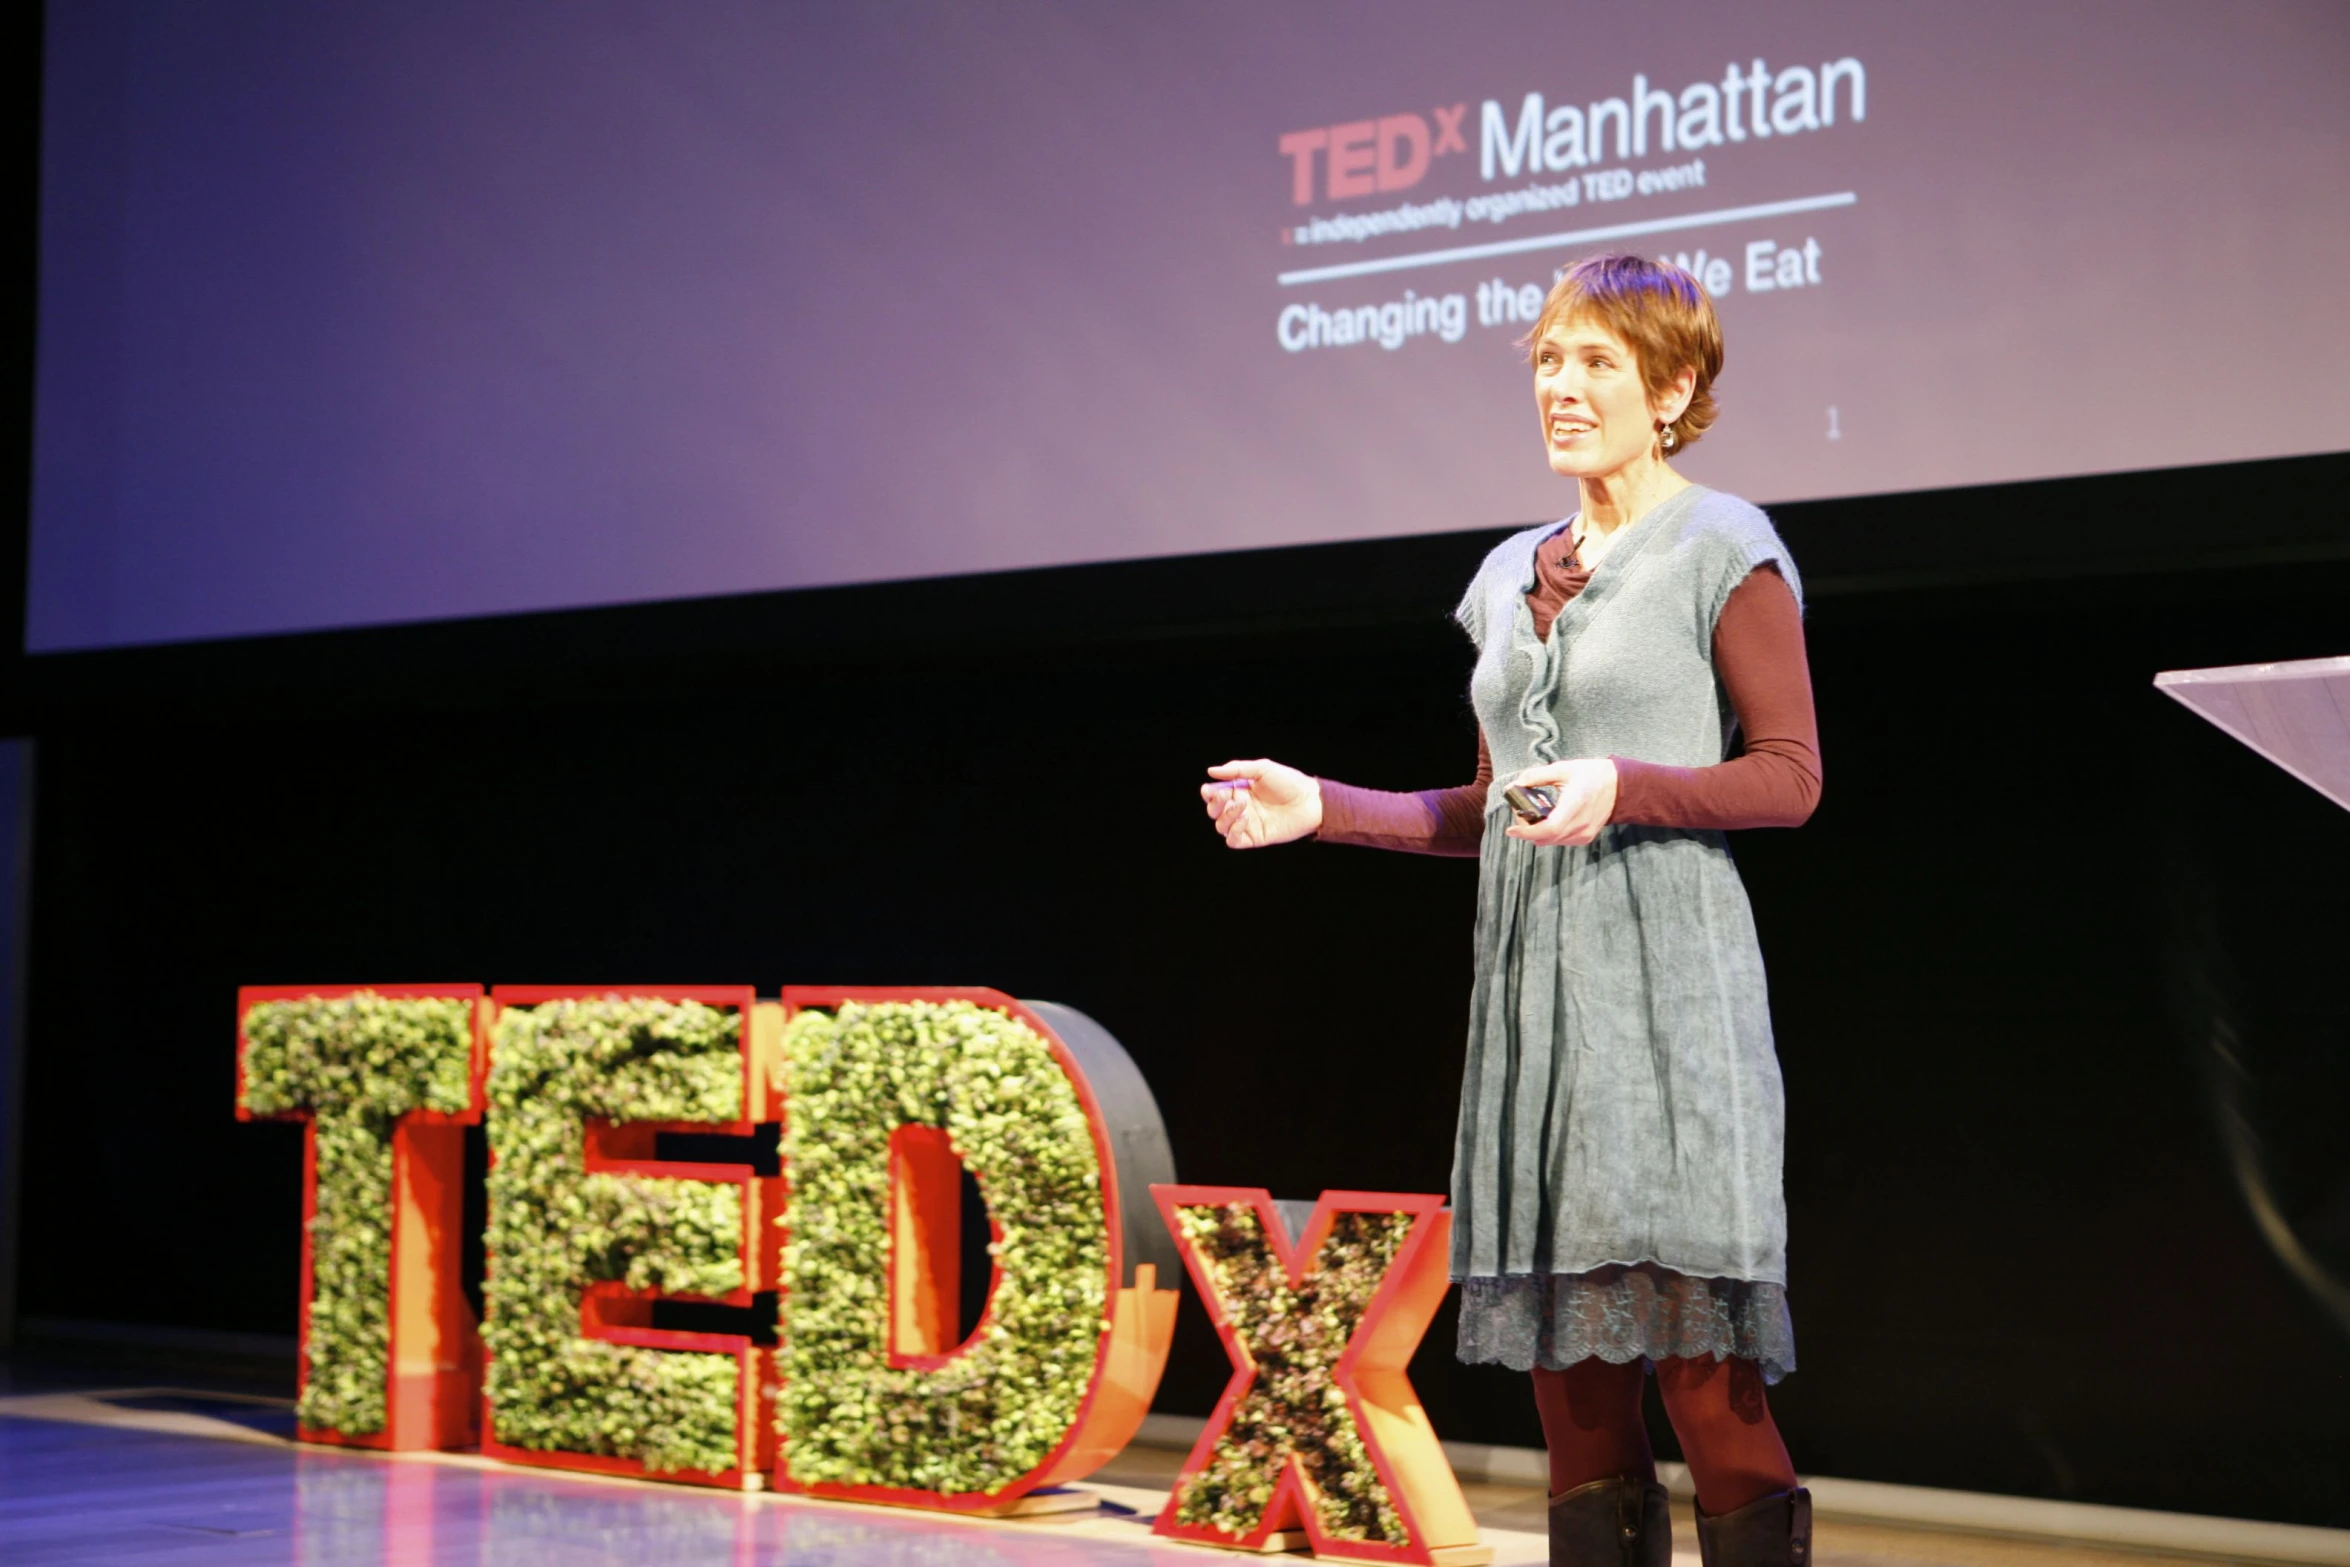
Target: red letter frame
[(1411, 1506)]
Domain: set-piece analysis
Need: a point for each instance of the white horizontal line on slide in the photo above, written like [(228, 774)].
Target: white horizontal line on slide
[(1512, 247)]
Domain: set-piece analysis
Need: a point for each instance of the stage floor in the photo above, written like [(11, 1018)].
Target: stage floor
[(208, 1481)]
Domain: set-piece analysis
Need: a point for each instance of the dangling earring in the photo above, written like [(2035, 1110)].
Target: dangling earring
[(1668, 438)]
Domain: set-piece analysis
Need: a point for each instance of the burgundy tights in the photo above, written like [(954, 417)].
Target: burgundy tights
[(1591, 1421)]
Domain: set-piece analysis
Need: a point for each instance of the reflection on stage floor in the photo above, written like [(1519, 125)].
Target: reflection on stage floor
[(169, 1478)]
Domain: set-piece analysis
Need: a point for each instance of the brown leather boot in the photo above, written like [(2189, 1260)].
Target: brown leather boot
[(1612, 1523), (1772, 1532)]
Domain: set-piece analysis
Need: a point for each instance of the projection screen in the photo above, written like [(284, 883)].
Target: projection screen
[(403, 309)]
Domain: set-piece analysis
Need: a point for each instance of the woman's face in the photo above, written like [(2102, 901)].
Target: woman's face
[(1596, 416)]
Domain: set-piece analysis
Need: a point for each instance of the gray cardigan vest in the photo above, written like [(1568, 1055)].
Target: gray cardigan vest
[(1622, 1102)]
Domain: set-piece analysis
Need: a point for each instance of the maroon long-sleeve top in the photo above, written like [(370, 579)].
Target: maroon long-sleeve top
[(1774, 781)]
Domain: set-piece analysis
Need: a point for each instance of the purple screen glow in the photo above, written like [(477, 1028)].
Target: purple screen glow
[(404, 309)]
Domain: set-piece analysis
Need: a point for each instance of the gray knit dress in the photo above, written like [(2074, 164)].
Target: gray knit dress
[(1616, 1178)]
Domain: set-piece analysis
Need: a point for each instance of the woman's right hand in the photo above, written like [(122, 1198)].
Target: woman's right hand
[(1260, 803)]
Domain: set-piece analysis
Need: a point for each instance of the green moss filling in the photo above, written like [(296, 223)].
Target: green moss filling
[(356, 1063), (554, 1229), (996, 1412), (1295, 1334)]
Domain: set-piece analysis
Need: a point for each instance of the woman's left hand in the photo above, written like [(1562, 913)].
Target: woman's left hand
[(1587, 798)]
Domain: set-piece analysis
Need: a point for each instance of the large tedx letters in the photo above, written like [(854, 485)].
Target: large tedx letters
[(1282, 1462), (886, 1097), (887, 1104), (587, 1229), (383, 1079), (890, 1095)]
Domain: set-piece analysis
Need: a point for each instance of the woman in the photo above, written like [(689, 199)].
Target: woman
[(1616, 1180)]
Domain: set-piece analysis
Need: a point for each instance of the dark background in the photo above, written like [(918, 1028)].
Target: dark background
[(2020, 1262), (2022, 1257)]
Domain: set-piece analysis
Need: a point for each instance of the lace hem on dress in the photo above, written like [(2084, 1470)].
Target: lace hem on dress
[(1621, 1312)]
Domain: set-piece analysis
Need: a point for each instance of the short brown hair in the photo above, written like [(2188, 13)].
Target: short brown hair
[(1657, 308)]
